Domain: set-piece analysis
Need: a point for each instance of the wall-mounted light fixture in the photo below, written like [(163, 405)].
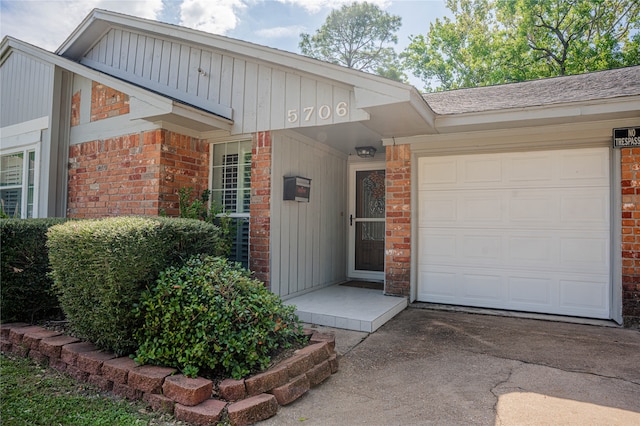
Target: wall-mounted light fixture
[(365, 151)]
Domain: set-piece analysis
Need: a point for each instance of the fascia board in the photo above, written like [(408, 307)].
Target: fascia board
[(539, 113)]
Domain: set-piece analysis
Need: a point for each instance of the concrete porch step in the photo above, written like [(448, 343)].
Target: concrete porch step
[(350, 308)]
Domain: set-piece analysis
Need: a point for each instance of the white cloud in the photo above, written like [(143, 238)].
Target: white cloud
[(281, 32), (212, 16), (315, 6), (47, 23)]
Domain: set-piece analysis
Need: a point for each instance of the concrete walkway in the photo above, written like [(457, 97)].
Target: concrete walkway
[(451, 368)]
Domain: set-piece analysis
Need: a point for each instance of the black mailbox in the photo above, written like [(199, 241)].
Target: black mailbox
[(296, 188)]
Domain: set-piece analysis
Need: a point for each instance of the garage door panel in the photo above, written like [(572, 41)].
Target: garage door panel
[(530, 291), (523, 231)]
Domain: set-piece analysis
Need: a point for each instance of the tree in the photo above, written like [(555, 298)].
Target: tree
[(357, 36), (499, 41)]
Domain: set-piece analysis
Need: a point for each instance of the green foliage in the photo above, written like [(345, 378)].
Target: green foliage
[(357, 36), (101, 267), (32, 395), (198, 208), (211, 315), (24, 266), (500, 41)]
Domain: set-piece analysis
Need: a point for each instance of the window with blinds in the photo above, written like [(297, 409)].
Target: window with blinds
[(231, 190), (17, 183)]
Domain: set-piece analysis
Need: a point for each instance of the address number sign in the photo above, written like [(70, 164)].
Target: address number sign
[(323, 112)]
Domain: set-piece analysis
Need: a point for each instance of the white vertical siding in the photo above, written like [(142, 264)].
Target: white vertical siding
[(308, 239), (26, 85), (260, 96)]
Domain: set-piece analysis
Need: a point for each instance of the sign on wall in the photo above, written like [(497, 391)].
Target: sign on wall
[(628, 137)]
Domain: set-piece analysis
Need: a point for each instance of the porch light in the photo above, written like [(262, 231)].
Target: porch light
[(365, 151)]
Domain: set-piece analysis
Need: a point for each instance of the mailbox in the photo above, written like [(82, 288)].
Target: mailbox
[(296, 188)]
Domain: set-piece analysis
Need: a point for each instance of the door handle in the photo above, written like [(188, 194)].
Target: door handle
[(350, 220)]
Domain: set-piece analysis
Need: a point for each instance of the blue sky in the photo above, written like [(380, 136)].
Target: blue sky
[(273, 23)]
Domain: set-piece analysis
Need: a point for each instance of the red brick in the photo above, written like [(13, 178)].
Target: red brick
[(319, 373), (19, 349), (206, 413), (187, 391), (33, 337), (266, 381), (117, 369), (58, 364), (292, 390), (232, 390), (52, 347), (17, 333), (38, 356), (298, 364), (5, 345), (159, 403), (318, 352), (76, 373), (253, 410), (6, 328), (91, 362), (126, 391), (333, 363), (69, 353), (318, 337), (149, 378), (100, 382)]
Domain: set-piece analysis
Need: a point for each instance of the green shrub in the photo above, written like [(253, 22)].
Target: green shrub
[(101, 267), (211, 315), (25, 287)]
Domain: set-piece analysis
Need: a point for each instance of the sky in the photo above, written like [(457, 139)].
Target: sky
[(273, 23)]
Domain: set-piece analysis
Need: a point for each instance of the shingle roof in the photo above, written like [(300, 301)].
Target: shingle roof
[(576, 88)]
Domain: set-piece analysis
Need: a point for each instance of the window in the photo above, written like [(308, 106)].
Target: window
[(231, 190), (17, 183)]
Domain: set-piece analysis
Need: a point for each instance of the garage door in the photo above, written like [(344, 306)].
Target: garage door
[(525, 231)]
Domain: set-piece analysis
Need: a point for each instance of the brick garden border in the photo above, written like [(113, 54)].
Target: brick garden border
[(243, 402)]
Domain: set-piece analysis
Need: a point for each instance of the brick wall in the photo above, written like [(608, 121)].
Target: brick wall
[(107, 102), (137, 174), (75, 108), (260, 210), (398, 221), (630, 169)]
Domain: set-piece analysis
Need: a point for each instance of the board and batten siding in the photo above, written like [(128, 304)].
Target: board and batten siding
[(26, 85), (308, 239), (257, 96)]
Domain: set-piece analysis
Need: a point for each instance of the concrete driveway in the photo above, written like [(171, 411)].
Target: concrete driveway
[(452, 368)]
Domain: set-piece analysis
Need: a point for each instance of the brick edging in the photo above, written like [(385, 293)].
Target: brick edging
[(243, 402)]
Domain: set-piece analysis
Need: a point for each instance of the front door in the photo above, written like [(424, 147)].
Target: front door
[(367, 222)]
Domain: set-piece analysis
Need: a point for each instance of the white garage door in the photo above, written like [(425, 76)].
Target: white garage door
[(525, 231)]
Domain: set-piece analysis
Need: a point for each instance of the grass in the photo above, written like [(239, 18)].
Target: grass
[(34, 395)]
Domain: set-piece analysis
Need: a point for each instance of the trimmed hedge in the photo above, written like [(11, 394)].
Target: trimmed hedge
[(25, 286), (101, 267), (210, 315)]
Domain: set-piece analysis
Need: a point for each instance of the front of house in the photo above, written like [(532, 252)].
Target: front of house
[(508, 197)]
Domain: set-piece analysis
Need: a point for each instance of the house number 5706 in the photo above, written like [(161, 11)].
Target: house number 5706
[(324, 112)]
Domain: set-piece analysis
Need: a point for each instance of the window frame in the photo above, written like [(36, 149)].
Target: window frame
[(25, 150)]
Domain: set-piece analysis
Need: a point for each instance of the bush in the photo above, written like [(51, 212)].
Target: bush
[(211, 315), (101, 267), (25, 286)]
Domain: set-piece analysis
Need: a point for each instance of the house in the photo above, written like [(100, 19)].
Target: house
[(508, 197)]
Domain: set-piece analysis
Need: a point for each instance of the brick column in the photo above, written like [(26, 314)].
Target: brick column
[(398, 221), (630, 159), (260, 210)]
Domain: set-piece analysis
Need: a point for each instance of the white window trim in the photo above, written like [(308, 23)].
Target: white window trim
[(25, 177)]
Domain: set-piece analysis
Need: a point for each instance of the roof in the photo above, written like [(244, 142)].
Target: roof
[(592, 86)]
